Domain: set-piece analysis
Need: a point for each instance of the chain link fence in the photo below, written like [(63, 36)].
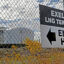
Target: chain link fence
[(20, 19)]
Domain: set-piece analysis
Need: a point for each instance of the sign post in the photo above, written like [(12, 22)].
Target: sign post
[(51, 27)]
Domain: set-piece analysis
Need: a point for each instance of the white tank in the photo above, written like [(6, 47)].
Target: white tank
[(16, 35)]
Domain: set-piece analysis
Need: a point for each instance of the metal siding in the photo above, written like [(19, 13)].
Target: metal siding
[(17, 35)]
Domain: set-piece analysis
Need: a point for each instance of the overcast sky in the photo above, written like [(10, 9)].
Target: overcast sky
[(25, 10)]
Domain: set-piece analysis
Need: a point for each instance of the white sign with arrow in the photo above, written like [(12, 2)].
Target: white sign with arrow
[(51, 27), (52, 37)]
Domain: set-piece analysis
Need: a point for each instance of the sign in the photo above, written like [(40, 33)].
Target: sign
[(52, 27)]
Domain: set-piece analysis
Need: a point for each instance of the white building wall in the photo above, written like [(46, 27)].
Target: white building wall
[(37, 36)]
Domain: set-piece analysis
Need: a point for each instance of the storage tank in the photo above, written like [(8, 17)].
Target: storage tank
[(15, 35)]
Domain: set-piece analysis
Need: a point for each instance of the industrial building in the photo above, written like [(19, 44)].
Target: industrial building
[(15, 35)]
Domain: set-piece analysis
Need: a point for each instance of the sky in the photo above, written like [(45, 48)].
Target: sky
[(24, 13)]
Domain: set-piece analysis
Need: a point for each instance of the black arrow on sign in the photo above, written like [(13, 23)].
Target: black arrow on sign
[(51, 36)]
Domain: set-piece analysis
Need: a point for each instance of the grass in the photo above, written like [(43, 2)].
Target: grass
[(33, 53), (23, 56)]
